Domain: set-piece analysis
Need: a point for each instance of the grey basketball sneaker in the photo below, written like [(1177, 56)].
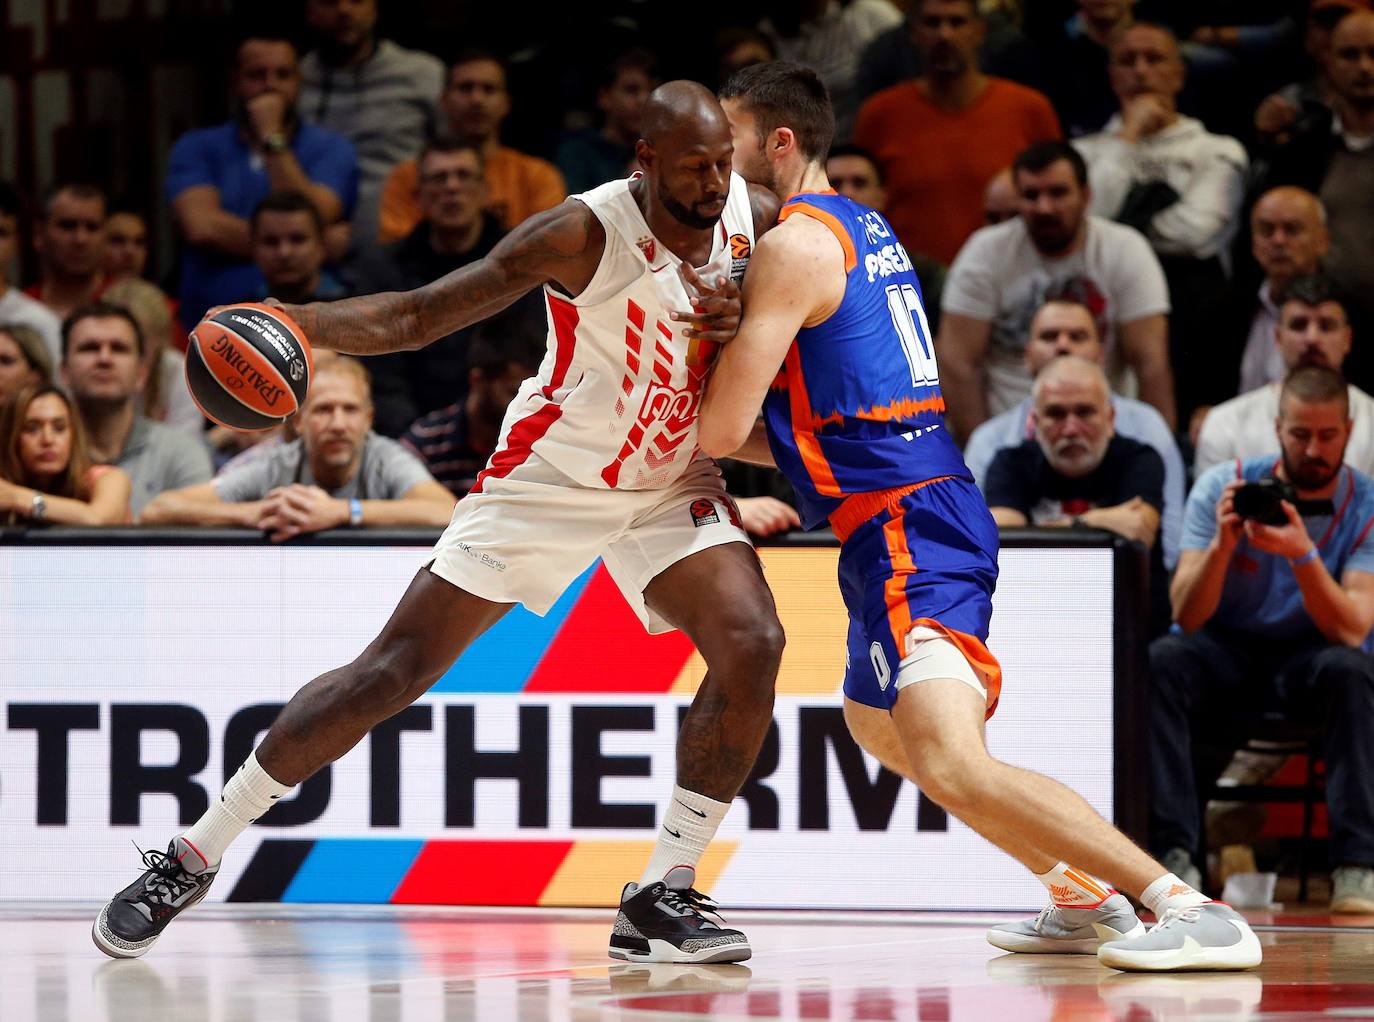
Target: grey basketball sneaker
[(1211, 936), (1069, 931), (666, 922), (135, 917)]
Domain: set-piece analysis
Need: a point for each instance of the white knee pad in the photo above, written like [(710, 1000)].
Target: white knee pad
[(931, 655)]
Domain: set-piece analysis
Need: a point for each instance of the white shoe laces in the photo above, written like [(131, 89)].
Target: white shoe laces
[(1191, 914), (1044, 915)]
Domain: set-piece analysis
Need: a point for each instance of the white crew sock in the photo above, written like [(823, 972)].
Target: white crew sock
[(1169, 892), (688, 827), (1072, 888), (250, 793)]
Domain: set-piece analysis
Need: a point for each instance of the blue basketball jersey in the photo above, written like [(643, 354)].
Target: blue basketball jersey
[(857, 406)]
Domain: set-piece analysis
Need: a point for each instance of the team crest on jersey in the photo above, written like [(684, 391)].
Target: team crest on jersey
[(649, 247), (739, 255), (704, 513)]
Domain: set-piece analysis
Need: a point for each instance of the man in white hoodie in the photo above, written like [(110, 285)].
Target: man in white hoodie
[(1178, 184)]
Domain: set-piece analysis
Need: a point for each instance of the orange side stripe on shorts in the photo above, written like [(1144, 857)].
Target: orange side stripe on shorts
[(977, 654), (899, 551), (851, 258)]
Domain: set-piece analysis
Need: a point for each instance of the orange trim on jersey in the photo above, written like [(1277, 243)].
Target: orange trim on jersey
[(975, 652), (903, 408), (808, 444), (860, 507), (851, 258)]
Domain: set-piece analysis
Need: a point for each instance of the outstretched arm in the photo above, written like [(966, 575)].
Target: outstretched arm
[(561, 246)]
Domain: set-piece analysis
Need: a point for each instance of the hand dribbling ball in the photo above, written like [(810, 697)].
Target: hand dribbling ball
[(248, 367)]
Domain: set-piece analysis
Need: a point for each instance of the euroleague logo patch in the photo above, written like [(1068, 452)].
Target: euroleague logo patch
[(704, 513), (739, 255)]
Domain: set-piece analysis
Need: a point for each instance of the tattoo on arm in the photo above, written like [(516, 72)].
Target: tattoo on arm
[(561, 246)]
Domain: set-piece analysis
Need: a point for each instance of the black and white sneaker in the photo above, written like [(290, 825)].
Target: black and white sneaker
[(666, 922), (137, 915)]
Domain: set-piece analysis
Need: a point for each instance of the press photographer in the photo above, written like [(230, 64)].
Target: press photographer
[(1274, 602)]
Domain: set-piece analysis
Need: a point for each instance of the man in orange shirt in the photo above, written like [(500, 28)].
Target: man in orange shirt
[(475, 102), (942, 137)]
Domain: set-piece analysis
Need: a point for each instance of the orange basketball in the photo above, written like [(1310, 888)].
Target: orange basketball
[(248, 367)]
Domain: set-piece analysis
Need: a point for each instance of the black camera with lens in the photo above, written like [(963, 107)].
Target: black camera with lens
[(1262, 501)]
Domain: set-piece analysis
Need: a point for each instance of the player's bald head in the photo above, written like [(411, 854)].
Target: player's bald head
[(682, 112)]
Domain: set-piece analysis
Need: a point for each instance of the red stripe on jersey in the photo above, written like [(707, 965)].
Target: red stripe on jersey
[(636, 315), (521, 438), (565, 320)]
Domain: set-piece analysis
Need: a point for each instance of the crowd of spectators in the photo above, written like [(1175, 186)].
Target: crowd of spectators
[(1144, 235)]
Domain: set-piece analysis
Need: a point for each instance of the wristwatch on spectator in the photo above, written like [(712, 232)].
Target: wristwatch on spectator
[(38, 508), (276, 142), (355, 513)]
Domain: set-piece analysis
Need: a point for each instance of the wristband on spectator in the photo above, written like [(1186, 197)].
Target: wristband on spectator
[(355, 513), (1306, 558)]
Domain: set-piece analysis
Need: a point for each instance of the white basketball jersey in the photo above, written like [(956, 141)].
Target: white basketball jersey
[(615, 401)]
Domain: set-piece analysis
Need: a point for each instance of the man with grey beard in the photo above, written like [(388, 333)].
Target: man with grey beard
[(1077, 472)]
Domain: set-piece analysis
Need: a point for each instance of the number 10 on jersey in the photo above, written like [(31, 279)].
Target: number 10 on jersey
[(909, 320)]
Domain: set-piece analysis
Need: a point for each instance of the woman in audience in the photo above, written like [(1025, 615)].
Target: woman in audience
[(46, 473), (24, 359)]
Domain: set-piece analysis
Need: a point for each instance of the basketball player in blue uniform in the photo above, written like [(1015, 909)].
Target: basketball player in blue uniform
[(835, 349)]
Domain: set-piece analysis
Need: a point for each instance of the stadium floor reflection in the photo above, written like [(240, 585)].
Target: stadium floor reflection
[(249, 962)]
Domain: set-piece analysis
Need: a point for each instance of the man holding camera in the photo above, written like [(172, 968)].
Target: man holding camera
[(1274, 596)]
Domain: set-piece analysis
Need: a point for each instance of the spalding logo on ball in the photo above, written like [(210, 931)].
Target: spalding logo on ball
[(248, 367)]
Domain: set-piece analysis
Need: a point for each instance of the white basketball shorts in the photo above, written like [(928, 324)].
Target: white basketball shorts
[(527, 535)]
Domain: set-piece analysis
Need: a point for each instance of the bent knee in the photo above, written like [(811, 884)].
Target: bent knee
[(751, 647), (957, 780)]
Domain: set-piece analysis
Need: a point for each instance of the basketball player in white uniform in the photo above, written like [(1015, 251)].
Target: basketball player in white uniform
[(598, 459)]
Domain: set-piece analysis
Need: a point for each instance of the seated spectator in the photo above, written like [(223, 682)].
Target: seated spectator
[(1001, 201), (380, 96), (737, 47), (1288, 238), (829, 38), (46, 475), (893, 56), (1066, 327), (104, 368), (970, 126), (596, 156), (476, 102), (1312, 330), (854, 173), (288, 249), (126, 244), (338, 474), (1295, 106), (1004, 273), (1273, 618), (24, 359), (216, 176), (1076, 65), (1334, 159), (165, 395), (1181, 186), (454, 230), (1079, 471), (16, 307), (455, 442), (70, 241)]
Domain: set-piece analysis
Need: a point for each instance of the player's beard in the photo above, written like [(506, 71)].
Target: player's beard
[(687, 215)]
